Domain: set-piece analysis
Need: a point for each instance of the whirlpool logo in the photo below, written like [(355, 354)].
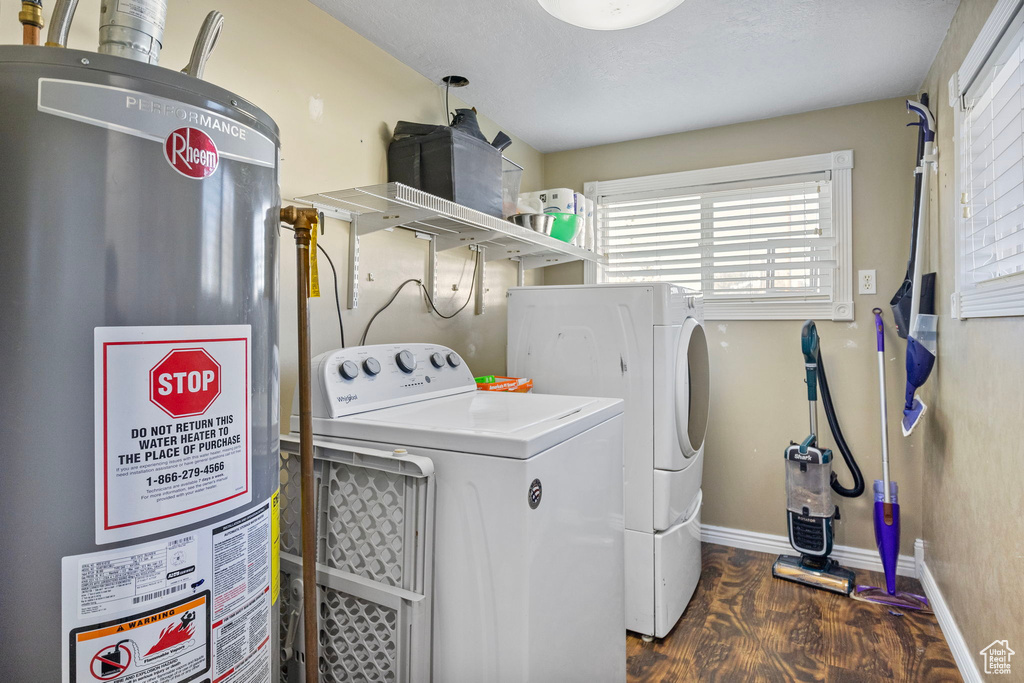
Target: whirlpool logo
[(348, 398)]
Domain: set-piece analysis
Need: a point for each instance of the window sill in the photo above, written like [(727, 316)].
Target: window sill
[(993, 299), (778, 310)]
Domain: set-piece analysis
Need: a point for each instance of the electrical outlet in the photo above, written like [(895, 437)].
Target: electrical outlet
[(866, 280)]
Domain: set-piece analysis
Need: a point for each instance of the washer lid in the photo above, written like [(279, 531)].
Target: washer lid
[(489, 423)]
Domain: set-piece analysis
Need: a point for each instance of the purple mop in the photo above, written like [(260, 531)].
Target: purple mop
[(887, 511)]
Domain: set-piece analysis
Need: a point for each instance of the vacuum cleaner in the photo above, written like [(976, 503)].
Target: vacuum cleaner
[(810, 481)]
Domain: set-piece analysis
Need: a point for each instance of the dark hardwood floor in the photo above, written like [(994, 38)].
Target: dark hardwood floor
[(745, 625)]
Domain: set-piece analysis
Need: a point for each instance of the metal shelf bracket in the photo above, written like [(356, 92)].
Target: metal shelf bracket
[(353, 262), (478, 286)]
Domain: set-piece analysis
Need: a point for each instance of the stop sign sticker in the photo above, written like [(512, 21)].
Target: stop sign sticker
[(191, 152), (185, 382), (172, 426)]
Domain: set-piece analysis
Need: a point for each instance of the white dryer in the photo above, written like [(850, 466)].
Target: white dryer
[(643, 343), (528, 540)]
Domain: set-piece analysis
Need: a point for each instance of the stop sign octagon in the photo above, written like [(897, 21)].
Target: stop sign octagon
[(185, 382)]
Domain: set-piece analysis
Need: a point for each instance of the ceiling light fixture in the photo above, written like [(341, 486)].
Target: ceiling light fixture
[(608, 15)]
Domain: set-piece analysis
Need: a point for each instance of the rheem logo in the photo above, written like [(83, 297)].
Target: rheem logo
[(185, 382), (191, 152)]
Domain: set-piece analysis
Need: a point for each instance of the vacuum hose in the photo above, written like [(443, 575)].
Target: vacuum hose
[(837, 433)]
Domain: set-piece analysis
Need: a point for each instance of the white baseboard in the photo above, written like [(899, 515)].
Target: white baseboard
[(966, 660), (858, 558)]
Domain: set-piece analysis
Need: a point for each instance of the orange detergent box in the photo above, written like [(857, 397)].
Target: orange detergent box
[(519, 385)]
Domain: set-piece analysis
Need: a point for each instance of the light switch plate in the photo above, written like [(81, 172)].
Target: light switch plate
[(866, 282)]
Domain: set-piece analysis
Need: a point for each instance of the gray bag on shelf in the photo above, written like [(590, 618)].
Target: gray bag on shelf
[(448, 163)]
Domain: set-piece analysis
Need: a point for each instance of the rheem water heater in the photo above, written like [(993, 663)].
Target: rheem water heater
[(139, 405)]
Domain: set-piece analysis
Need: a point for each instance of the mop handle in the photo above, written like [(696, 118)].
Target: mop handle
[(880, 337)]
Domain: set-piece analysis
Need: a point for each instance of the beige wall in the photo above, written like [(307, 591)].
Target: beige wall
[(336, 97), (758, 395), (973, 468)]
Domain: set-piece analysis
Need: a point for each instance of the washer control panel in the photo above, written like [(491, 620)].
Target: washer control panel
[(362, 378)]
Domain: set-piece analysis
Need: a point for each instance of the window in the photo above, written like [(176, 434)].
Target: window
[(987, 95), (768, 240)]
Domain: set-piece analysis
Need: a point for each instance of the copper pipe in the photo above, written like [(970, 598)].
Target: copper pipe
[(31, 18), (304, 220)]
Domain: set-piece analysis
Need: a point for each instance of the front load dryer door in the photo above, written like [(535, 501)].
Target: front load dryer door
[(681, 394)]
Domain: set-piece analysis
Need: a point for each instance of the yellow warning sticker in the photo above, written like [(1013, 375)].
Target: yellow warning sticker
[(275, 546), (169, 644), (314, 272)]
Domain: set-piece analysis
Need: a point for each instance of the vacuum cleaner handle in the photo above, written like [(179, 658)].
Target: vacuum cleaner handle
[(927, 121), (809, 346)]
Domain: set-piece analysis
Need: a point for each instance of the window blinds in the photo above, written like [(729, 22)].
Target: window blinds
[(992, 166), (747, 240)]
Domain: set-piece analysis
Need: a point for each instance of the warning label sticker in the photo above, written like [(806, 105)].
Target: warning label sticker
[(275, 546), (169, 611), (242, 602), (172, 434), (169, 644)]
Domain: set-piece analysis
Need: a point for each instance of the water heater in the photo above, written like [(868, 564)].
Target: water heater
[(139, 403)]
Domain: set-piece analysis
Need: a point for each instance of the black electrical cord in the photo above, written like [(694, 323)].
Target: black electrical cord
[(337, 298), (382, 308), (837, 433), (426, 295), (472, 288)]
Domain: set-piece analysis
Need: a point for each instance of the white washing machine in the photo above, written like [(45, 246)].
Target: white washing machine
[(643, 343), (528, 541)]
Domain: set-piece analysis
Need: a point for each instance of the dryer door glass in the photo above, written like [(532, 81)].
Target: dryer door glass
[(692, 388)]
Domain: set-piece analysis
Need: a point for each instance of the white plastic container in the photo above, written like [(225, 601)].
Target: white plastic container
[(529, 202)]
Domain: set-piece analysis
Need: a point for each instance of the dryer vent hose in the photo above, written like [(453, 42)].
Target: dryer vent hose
[(837, 433)]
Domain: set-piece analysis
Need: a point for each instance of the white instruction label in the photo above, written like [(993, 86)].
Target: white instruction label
[(122, 580), (242, 599), (195, 606), (153, 12), (172, 430)]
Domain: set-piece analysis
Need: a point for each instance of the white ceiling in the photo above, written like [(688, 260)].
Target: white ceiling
[(707, 63)]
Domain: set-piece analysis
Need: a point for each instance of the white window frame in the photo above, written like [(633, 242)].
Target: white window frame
[(1001, 296), (839, 164)]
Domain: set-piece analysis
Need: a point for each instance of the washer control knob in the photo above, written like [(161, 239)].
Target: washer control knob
[(454, 360), (371, 366), (349, 370), (437, 360), (406, 361)]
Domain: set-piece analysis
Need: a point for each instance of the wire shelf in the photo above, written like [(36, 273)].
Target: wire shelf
[(394, 205)]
